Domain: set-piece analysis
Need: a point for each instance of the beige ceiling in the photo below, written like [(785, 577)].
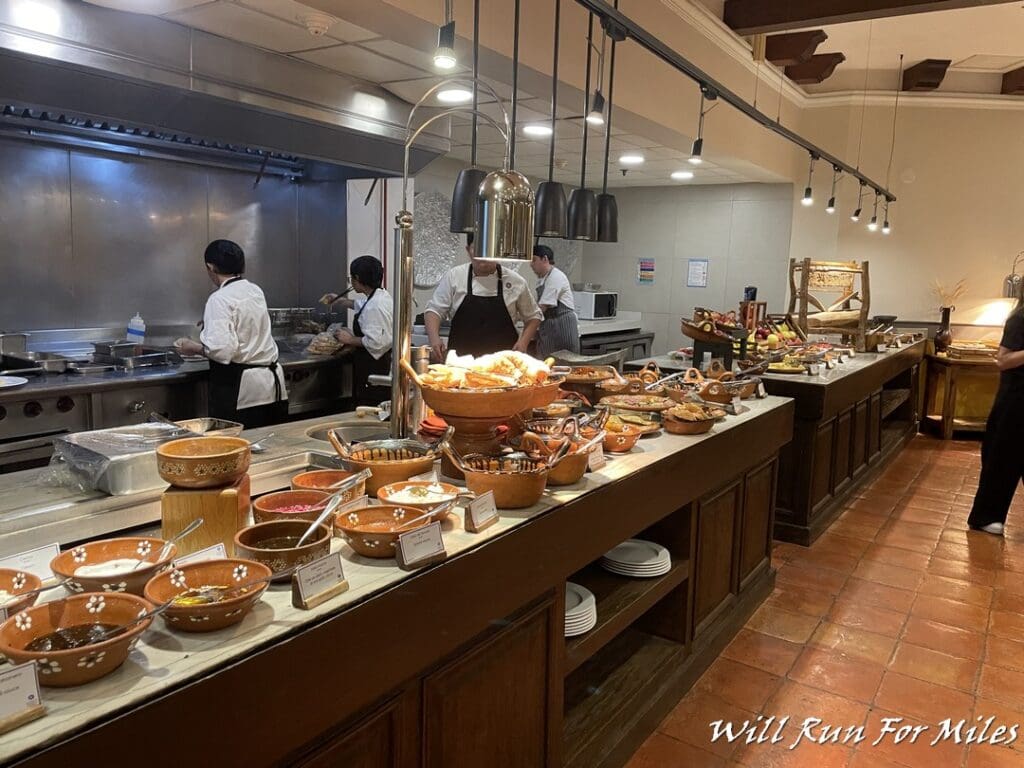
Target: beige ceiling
[(279, 25)]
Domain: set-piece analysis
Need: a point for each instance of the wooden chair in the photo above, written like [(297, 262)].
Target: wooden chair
[(835, 277)]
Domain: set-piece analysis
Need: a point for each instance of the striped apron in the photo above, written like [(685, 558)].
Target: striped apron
[(558, 331)]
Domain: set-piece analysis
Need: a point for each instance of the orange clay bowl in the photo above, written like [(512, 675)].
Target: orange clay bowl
[(716, 392), (388, 465), (212, 616), (270, 506), (95, 552), (680, 427), (321, 479), (448, 493), (495, 404), (569, 470), (374, 531), (249, 543), (516, 483), (15, 583), (203, 462), (75, 666), (622, 441)]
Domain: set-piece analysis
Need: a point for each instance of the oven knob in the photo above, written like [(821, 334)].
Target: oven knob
[(32, 409), (65, 404)]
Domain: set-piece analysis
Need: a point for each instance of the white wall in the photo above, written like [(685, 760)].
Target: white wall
[(743, 230)]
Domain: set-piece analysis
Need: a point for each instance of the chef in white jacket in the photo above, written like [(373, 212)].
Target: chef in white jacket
[(246, 381)]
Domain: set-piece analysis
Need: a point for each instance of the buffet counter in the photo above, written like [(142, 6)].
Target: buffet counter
[(849, 420), (426, 667)]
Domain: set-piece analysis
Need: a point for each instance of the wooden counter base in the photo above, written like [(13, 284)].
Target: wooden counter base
[(465, 664)]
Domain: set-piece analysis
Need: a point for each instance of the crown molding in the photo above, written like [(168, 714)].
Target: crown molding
[(911, 100)]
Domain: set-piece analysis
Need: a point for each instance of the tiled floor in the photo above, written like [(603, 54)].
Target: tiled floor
[(896, 612)]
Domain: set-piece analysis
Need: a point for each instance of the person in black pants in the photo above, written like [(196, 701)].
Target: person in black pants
[(1002, 460)]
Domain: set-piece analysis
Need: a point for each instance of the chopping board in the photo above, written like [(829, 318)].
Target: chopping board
[(225, 511)]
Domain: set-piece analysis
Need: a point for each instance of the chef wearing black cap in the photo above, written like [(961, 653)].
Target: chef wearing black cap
[(246, 382), (559, 331)]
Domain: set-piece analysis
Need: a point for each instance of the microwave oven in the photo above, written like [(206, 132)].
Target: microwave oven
[(595, 305)]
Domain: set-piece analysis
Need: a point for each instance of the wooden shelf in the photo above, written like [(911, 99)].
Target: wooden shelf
[(620, 601), (605, 697), (893, 399)]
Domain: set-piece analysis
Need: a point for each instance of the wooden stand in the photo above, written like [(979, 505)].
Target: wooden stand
[(21, 718), (319, 598), (225, 512)]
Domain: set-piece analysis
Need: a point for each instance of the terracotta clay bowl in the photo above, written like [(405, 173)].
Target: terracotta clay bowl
[(276, 506), (203, 462), (390, 467), (489, 403), (251, 544), (211, 616), (680, 427), (322, 479), (15, 583), (374, 531), (569, 470), (69, 561), (716, 392), (447, 492), (75, 666), (516, 483), (623, 440)]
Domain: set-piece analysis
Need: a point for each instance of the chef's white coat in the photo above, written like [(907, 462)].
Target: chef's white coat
[(448, 296), (236, 329), (555, 289), (375, 322)]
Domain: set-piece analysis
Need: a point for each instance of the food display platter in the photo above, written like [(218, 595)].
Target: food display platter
[(650, 403)]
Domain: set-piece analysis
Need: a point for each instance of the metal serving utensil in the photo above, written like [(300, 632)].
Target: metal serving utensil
[(429, 513), (167, 545), (328, 511)]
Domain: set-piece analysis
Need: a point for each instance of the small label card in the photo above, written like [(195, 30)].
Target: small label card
[(736, 404), (35, 561), (216, 552), (596, 460), (761, 391), (481, 513), (317, 582), (20, 701), (426, 477), (420, 547), (814, 369), (896, 343), (362, 501)]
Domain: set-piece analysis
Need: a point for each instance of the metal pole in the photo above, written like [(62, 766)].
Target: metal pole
[(401, 412)]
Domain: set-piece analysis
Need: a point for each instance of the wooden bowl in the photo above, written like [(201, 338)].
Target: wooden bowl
[(569, 470), (273, 506), (489, 403), (14, 583), (716, 392), (203, 462), (680, 427), (321, 479), (516, 483), (249, 543), (448, 493), (622, 441), (390, 467), (75, 666), (212, 616), (374, 531), (67, 562)]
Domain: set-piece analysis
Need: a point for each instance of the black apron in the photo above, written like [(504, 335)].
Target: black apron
[(482, 325), (364, 364), (225, 381), (559, 331)]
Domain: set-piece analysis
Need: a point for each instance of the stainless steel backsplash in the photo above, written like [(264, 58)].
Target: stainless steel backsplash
[(89, 238)]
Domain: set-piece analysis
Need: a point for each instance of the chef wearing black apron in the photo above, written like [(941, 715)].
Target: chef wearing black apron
[(246, 383), (484, 303), (559, 331), (370, 337)]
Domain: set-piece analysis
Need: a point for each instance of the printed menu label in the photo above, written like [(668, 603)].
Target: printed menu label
[(426, 477), (814, 369), (482, 511), (320, 575), (362, 501), (421, 544), (35, 561), (596, 460), (761, 391), (19, 690), (216, 552)]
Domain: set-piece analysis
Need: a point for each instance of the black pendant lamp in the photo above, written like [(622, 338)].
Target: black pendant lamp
[(607, 208), (582, 224), (467, 185), (550, 217)]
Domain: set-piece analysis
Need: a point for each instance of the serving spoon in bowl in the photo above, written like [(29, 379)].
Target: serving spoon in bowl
[(188, 529)]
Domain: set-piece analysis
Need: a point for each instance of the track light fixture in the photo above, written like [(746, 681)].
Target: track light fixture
[(886, 229), (831, 207), (696, 153), (808, 198), (444, 54), (873, 224), (855, 216), (596, 114)]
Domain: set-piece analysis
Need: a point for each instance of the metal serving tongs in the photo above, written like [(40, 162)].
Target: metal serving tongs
[(664, 380), (340, 487)]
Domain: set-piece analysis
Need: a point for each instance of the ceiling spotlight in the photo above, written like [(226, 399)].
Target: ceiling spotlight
[(873, 224), (631, 159), (698, 143), (855, 216), (537, 129), (808, 198), (886, 229), (444, 54), (695, 153), (454, 95), (682, 175), (596, 114), (831, 207)]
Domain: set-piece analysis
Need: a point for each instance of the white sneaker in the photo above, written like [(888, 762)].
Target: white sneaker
[(993, 528)]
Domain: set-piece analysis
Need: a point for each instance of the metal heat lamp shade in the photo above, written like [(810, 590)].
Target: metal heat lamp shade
[(504, 217), (607, 218), (551, 210), (582, 215), (467, 188)]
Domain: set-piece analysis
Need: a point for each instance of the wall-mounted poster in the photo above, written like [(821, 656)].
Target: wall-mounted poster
[(697, 273), (645, 271)]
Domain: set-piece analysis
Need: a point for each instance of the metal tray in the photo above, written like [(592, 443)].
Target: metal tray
[(208, 426)]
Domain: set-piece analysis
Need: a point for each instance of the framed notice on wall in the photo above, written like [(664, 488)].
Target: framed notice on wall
[(697, 273), (645, 271)]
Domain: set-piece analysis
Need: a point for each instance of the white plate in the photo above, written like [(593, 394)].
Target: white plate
[(578, 600), (636, 574), (638, 568), (638, 552), (580, 630), (12, 382)]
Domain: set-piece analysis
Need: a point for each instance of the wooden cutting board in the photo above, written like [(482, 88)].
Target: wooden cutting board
[(225, 511)]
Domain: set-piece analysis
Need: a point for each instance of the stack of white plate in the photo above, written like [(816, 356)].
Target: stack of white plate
[(580, 610), (637, 558)]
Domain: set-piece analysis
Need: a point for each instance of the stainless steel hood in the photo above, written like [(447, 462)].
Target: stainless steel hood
[(128, 79)]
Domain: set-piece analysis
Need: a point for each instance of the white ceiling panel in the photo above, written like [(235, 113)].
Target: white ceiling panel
[(290, 11), (359, 62), (233, 21), (417, 58)]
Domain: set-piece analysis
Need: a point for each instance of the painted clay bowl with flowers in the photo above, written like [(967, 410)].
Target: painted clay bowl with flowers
[(122, 576)]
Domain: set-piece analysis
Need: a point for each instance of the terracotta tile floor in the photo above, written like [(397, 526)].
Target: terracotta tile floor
[(896, 612)]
